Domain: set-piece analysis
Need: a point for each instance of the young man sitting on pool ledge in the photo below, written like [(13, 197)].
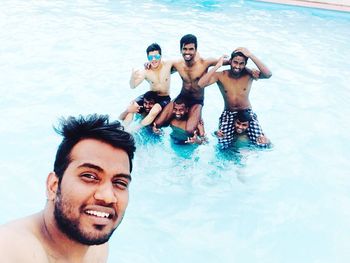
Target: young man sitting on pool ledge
[(87, 194)]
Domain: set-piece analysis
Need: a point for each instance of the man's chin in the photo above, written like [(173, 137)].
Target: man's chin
[(236, 72)]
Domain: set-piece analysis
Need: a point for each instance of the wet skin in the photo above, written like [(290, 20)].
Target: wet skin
[(93, 193)]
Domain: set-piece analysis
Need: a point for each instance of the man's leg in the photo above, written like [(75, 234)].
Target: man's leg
[(127, 115), (128, 118), (151, 115), (164, 117), (255, 132), (226, 129), (194, 116)]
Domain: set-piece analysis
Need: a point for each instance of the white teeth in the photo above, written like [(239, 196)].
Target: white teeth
[(97, 213)]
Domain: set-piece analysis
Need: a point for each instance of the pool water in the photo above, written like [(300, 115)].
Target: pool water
[(189, 204)]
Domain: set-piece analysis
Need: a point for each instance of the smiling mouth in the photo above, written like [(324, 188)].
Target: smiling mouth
[(99, 214)]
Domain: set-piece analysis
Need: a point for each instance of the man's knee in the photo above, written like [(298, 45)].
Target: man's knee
[(190, 130)]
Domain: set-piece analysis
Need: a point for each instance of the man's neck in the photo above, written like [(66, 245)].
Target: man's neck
[(57, 244)]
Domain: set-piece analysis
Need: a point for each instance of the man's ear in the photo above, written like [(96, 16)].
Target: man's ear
[(51, 186)]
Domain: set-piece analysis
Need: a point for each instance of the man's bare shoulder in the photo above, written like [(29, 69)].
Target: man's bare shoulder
[(19, 243), (222, 74), (170, 62), (209, 61), (178, 62)]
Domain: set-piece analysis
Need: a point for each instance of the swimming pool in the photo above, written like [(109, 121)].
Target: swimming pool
[(290, 204)]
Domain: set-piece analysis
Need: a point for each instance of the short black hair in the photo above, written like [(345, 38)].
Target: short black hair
[(244, 115), (150, 95), (154, 47), (180, 100), (188, 39), (240, 54), (94, 126)]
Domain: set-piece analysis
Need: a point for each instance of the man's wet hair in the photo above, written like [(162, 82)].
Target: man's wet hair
[(180, 100), (244, 115), (188, 39), (239, 54), (150, 95), (154, 47), (94, 126)]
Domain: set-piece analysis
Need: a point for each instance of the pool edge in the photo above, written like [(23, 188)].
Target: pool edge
[(313, 4)]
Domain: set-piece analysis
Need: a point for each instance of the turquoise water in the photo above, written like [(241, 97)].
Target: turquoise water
[(290, 204)]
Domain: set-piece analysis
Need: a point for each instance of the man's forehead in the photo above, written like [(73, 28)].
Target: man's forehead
[(182, 105), (188, 45), (242, 122), (154, 52), (238, 58)]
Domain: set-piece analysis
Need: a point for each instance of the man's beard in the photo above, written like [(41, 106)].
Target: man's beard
[(71, 227)]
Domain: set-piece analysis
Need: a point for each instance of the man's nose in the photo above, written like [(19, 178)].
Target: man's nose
[(105, 192)]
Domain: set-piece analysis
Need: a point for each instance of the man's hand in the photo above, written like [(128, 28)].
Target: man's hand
[(194, 139), (255, 74), (156, 130), (223, 60), (244, 51), (147, 65), (136, 73), (134, 107), (262, 139), (219, 134)]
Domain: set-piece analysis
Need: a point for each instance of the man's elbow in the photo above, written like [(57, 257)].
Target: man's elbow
[(201, 84), (267, 75)]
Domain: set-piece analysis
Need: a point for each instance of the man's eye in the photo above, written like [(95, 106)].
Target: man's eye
[(89, 176), (121, 184)]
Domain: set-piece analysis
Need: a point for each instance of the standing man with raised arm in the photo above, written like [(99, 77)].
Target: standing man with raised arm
[(191, 68), (87, 194), (235, 84)]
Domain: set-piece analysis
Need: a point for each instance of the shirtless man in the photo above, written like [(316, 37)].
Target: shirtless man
[(178, 124), (191, 68), (87, 194), (239, 133), (235, 84), (149, 100), (157, 75)]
